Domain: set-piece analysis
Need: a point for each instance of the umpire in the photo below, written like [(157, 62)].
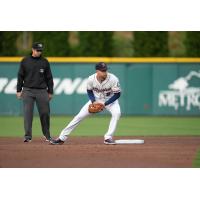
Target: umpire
[(35, 77)]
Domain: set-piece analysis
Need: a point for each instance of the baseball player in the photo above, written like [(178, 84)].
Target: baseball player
[(104, 88)]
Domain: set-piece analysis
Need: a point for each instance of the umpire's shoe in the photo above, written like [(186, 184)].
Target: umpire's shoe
[(48, 139), (27, 140), (58, 141), (109, 141)]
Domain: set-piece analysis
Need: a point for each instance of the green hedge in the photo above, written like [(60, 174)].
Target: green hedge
[(8, 43), (55, 42), (101, 43), (150, 43), (192, 44), (96, 43)]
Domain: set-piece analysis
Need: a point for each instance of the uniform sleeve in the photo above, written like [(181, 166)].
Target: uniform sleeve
[(89, 83), (116, 86), (20, 77), (49, 79), (91, 95), (113, 98)]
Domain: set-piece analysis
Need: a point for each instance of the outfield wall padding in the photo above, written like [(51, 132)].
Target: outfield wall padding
[(148, 88)]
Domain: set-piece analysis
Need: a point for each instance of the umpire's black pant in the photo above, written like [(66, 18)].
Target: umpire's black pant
[(40, 96)]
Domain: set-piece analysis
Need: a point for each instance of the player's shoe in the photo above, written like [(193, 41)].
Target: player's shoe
[(27, 140), (48, 139), (57, 141), (109, 141)]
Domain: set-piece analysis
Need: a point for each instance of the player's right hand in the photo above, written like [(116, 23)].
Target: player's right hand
[(19, 95)]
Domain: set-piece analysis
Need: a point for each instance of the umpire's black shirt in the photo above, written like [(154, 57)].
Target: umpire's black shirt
[(35, 72)]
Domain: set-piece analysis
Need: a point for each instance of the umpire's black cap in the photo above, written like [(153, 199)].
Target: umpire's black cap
[(101, 66), (38, 46)]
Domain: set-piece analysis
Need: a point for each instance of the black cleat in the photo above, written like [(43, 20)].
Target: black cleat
[(27, 140), (58, 141), (48, 139), (109, 141)]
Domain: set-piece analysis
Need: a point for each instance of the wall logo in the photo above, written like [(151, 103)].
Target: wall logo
[(65, 86), (181, 93)]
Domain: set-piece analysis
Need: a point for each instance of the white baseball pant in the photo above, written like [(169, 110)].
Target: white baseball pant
[(113, 108)]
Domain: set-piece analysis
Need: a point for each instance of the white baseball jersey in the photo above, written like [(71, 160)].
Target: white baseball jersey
[(105, 90)]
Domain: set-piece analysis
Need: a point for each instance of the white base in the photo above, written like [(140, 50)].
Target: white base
[(129, 141)]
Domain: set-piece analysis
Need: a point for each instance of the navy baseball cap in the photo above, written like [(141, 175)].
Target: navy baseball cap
[(101, 66), (38, 46)]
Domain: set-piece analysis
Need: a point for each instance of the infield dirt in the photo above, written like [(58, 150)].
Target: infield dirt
[(90, 152)]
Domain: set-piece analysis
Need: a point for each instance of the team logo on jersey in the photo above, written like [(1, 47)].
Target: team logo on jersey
[(101, 90), (181, 93)]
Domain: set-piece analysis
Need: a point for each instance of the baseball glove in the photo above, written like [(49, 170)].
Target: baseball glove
[(95, 107)]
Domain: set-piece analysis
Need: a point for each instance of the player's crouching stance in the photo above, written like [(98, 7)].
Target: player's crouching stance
[(102, 87)]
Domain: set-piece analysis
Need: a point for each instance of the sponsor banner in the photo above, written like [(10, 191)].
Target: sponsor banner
[(179, 93)]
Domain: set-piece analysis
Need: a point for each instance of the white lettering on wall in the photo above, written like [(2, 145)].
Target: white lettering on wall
[(66, 86)]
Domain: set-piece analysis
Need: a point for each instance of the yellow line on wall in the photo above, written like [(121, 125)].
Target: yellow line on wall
[(109, 60)]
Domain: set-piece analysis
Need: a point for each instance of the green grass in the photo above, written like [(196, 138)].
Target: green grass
[(196, 162), (97, 126)]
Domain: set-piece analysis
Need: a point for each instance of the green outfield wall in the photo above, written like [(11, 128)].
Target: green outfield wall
[(150, 86)]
